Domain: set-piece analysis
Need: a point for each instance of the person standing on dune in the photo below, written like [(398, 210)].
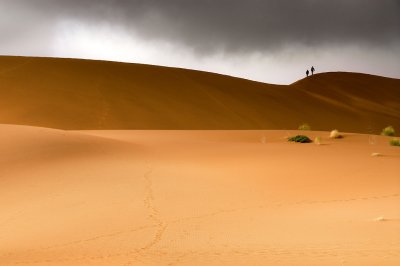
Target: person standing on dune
[(312, 70), (307, 72)]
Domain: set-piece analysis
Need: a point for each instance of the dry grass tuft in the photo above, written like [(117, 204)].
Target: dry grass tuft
[(395, 142), (304, 126), (335, 134), (388, 131)]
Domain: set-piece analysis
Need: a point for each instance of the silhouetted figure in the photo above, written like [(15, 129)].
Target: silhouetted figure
[(312, 70), (307, 72)]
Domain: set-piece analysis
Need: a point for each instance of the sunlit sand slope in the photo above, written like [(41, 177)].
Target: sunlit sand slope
[(82, 94), (74, 198)]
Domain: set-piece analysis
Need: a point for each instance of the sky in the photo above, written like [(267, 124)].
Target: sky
[(273, 41)]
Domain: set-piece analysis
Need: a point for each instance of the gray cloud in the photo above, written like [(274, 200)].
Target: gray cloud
[(266, 40), (229, 25)]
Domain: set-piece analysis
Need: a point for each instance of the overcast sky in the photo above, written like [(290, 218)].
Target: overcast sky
[(274, 41)]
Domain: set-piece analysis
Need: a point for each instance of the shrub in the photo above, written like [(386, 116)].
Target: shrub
[(304, 127), (395, 142), (317, 140), (300, 138), (388, 131), (335, 134)]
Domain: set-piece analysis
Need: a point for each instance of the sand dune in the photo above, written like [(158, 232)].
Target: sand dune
[(196, 198), (82, 94), (81, 195)]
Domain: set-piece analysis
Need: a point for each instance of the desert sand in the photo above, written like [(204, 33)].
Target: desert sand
[(105, 163), (83, 94), (128, 197)]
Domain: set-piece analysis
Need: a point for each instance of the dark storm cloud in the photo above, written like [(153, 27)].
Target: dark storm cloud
[(232, 25)]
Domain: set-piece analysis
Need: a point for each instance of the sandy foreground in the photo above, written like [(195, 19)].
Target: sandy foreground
[(196, 198)]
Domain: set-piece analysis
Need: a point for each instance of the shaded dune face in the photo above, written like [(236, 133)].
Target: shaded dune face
[(85, 94)]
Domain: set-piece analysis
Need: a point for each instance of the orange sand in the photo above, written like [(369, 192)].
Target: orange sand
[(196, 198), (83, 94)]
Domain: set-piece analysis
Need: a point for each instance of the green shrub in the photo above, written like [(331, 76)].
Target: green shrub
[(388, 131), (395, 142), (304, 127), (300, 138)]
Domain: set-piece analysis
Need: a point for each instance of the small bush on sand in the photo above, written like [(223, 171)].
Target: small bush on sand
[(300, 138), (335, 134), (304, 127), (317, 140), (388, 131), (395, 142)]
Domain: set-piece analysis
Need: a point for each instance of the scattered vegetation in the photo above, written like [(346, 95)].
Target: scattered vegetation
[(300, 138), (395, 142), (335, 134), (388, 131), (304, 127)]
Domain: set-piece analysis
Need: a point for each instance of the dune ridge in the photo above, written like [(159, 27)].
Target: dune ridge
[(85, 94)]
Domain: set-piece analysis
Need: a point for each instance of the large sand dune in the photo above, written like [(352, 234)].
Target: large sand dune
[(83, 94), (196, 198), (78, 195)]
